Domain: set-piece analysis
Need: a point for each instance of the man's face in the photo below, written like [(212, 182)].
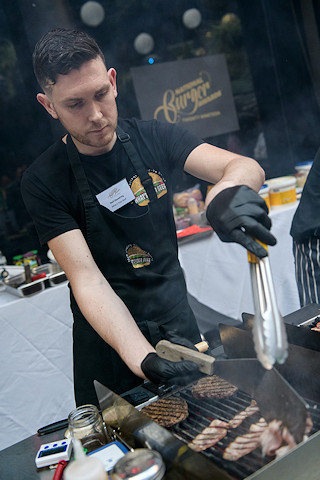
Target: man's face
[(84, 102)]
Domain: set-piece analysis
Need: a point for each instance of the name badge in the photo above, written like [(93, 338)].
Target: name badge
[(116, 196)]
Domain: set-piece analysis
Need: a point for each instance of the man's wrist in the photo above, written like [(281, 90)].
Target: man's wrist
[(218, 188)]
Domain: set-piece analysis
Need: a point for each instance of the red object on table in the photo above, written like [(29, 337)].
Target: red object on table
[(38, 276), (59, 470), (193, 230)]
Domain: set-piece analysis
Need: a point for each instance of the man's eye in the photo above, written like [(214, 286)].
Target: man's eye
[(75, 105), (101, 95)]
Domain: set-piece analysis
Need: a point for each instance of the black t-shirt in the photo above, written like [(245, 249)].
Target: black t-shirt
[(51, 193), (306, 221)]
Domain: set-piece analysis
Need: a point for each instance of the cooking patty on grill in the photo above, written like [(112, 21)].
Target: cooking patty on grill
[(167, 411), (213, 387)]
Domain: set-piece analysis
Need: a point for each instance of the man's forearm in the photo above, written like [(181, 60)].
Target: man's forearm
[(111, 319), (223, 169), (240, 171), (98, 302)]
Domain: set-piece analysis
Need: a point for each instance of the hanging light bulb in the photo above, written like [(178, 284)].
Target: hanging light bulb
[(192, 18), (143, 43), (92, 13)]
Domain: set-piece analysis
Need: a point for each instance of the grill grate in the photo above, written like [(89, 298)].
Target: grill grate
[(202, 412)]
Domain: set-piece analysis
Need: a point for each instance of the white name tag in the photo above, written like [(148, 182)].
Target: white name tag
[(116, 196)]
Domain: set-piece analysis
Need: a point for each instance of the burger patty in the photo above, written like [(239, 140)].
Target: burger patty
[(213, 387), (167, 411)]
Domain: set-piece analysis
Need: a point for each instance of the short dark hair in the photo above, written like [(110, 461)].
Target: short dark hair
[(60, 51)]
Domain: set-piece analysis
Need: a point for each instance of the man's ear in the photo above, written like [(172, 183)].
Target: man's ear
[(112, 74), (45, 101)]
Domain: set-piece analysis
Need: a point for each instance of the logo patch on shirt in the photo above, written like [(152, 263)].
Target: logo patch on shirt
[(141, 197), (138, 257)]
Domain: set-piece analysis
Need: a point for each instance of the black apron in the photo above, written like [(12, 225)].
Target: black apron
[(110, 236)]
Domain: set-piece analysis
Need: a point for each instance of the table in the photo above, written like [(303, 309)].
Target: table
[(217, 273), (18, 460), (36, 382)]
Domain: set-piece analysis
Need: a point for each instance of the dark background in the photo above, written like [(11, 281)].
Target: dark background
[(272, 50)]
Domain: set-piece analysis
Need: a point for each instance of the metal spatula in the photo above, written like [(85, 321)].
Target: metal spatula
[(269, 334)]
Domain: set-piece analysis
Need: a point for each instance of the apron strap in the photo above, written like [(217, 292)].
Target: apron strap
[(79, 173), (134, 157)]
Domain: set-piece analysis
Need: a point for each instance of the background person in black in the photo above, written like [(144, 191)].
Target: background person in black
[(127, 287), (305, 230)]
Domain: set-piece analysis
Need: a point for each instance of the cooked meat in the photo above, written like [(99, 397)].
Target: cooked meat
[(213, 387), (309, 424), (167, 411), (282, 451), (241, 416), (272, 439), (218, 429), (317, 328), (276, 440), (288, 438), (209, 436), (244, 444)]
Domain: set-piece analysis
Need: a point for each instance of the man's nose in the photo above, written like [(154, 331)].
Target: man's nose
[(95, 113)]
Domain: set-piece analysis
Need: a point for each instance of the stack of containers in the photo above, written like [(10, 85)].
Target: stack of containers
[(282, 191)]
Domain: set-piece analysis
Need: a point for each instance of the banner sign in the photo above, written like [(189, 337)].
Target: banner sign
[(195, 93)]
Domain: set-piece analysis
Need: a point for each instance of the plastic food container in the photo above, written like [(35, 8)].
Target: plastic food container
[(282, 190), (264, 193), (54, 274), (17, 284), (303, 170)]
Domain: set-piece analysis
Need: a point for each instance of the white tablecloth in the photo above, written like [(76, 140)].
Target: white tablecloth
[(36, 381), (217, 273)]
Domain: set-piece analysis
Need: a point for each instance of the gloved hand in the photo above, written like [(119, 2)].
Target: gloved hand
[(158, 370), (174, 337), (237, 214)]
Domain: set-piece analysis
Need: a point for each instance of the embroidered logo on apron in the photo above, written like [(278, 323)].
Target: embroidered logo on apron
[(138, 257), (141, 197)]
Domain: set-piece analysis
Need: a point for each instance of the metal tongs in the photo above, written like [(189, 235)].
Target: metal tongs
[(269, 334)]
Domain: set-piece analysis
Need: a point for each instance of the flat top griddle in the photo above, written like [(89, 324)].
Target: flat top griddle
[(203, 411)]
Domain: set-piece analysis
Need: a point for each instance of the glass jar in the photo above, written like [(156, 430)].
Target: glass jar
[(86, 424)]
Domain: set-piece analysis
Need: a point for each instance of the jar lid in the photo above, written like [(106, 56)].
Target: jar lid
[(264, 188), (142, 464), (281, 182), (305, 164)]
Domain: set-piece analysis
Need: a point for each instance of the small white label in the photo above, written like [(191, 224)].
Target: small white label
[(109, 455), (116, 196)]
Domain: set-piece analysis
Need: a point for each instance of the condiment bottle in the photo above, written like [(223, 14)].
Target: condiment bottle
[(3, 260), (27, 273), (192, 206), (84, 467)]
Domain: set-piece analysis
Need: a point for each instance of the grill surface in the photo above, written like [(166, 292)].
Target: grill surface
[(202, 412)]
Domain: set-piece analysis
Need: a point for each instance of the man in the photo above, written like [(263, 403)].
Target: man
[(102, 200), (305, 230)]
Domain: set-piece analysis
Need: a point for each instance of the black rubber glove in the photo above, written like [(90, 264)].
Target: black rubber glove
[(237, 214), (158, 370), (174, 337)]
